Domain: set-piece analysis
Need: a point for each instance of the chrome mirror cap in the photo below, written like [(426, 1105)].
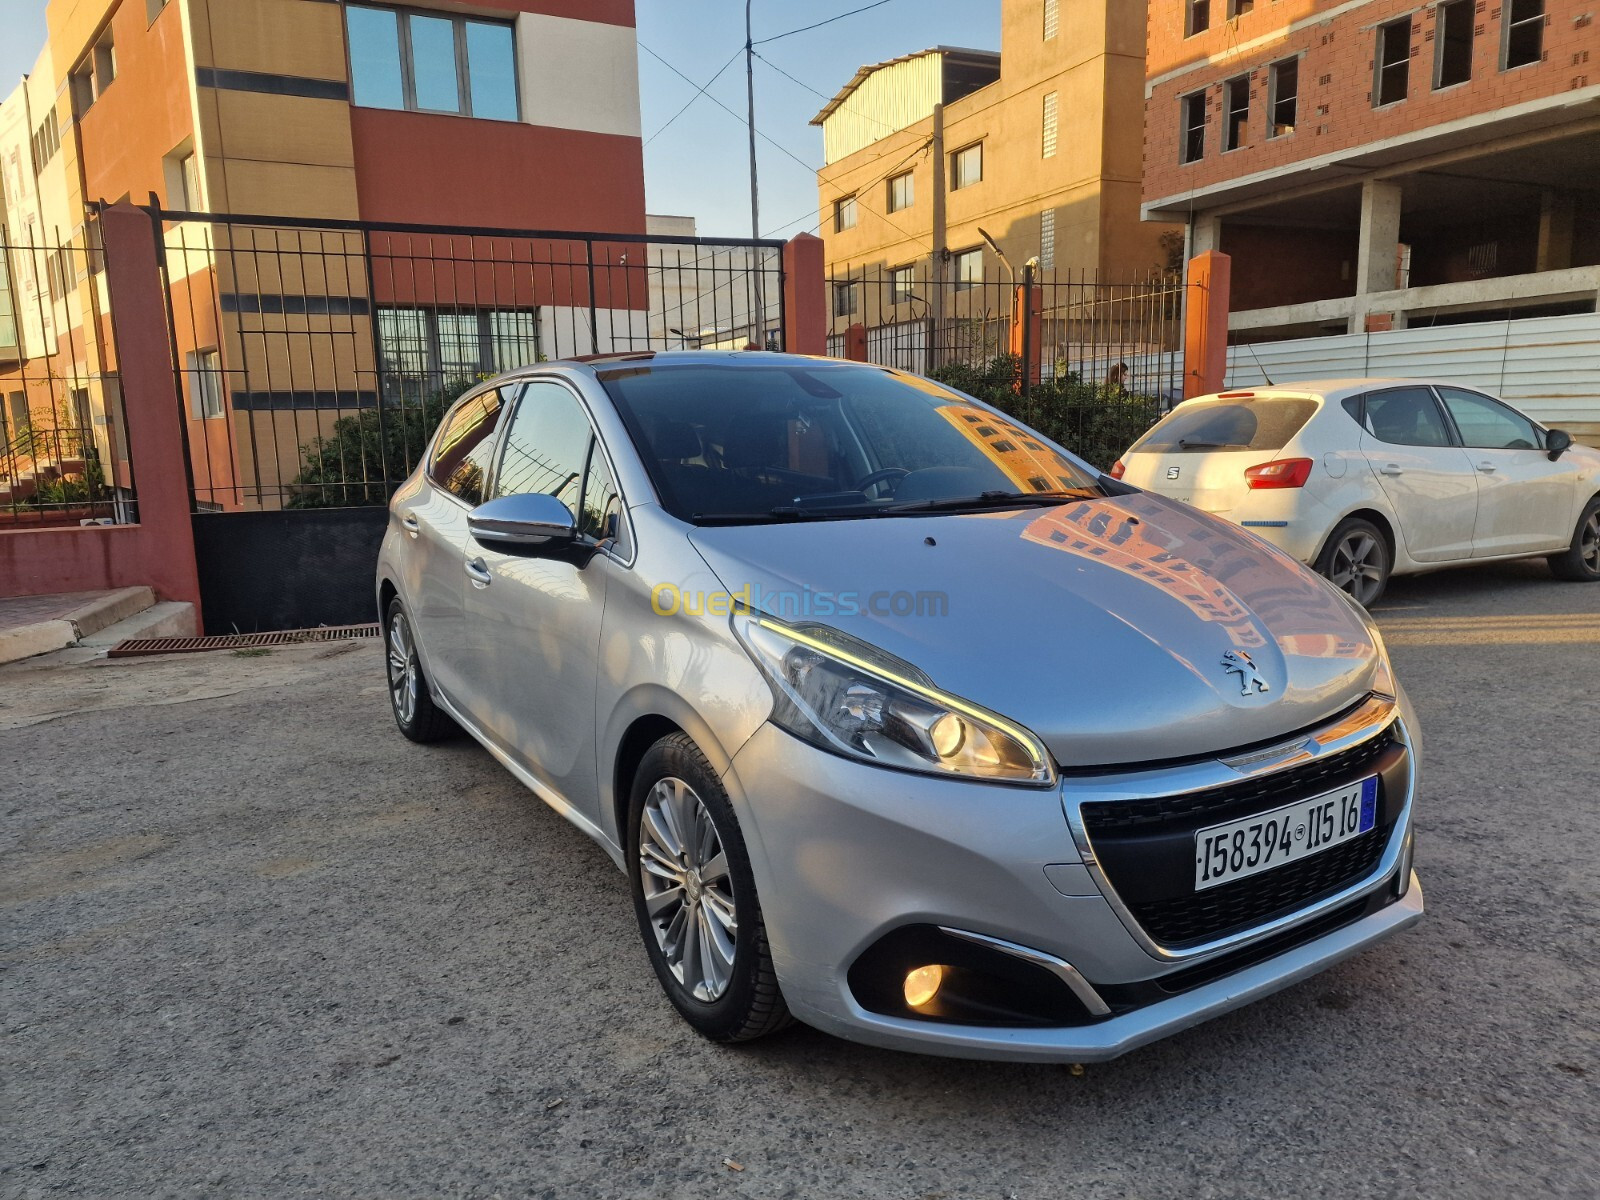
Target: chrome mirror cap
[(522, 521)]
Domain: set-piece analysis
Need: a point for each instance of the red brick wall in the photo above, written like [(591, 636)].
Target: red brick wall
[(1324, 265), (1336, 79)]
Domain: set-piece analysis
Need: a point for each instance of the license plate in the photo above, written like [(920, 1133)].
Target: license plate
[(1250, 845)]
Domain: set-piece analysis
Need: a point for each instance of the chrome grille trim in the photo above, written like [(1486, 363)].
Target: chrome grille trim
[(1377, 714)]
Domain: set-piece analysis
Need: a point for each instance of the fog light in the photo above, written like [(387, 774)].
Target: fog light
[(922, 985)]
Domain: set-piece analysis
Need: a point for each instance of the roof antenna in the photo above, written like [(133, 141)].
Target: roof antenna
[(1251, 347)]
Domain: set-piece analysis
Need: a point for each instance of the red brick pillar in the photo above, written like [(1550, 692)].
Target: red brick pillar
[(1027, 348), (1205, 333), (151, 402), (805, 296)]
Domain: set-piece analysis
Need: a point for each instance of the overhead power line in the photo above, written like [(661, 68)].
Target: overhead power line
[(807, 28), (700, 91)]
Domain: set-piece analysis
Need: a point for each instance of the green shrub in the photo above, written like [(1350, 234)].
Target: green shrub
[(1097, 422)]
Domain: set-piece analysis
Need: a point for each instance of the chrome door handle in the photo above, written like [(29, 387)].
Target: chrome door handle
[(1486, 467), (478, 572), (1391, 469), (410, 524)]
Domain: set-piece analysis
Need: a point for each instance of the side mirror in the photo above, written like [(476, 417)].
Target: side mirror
[(1557, 442), (523, 524)]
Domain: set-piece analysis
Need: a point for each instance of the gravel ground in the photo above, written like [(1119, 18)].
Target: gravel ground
[(257, 944)]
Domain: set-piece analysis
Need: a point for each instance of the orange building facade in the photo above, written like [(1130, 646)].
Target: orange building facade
[(1377, 164), (519, 114)]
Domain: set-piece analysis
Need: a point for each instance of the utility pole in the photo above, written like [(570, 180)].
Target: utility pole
[(758, 318)]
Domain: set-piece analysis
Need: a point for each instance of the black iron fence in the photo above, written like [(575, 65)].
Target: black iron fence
[(1125, 334), (63, 443), (315, 357)]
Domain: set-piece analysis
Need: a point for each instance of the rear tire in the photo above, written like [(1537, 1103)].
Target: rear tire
[(410, 698), (1581, 561), (695, 897), (1356, 560)]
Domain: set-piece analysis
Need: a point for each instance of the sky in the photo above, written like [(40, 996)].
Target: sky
[(697, 159)]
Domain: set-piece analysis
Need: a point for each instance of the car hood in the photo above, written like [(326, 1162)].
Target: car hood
[(1107, 626)]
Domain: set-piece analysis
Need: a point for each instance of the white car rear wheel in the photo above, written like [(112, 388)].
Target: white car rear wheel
[(1356, 560)]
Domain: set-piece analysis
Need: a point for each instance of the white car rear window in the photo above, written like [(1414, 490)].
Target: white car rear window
[(1264, 423)]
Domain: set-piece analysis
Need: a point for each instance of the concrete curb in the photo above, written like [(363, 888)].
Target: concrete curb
[(103, 612)]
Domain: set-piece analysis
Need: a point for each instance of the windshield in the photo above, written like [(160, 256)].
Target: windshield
[(752, 441), (1252, 423)]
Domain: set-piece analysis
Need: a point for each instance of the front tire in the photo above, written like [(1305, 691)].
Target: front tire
[(410, 698), (1581, 561), (1356, 560), (695, 897)]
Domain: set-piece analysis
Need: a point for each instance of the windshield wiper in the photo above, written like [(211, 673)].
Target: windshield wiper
[(784, 512), (990, 500), (1186, 444)]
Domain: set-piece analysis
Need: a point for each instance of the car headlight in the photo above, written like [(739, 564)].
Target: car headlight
[(840, 693)]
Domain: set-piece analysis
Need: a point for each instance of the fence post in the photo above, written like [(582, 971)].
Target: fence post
[(1026, 333), (151, 405), (805, 296), (1205, 321), (855, 342)]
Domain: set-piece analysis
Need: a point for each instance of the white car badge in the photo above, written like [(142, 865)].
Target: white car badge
[(1237, 662), (1172, 472)]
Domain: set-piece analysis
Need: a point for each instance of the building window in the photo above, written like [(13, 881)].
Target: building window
[(844, 299), (1196, 17), (1051, 109), (1052, 18), (90, 80), (1524, 25), (902, 192), (424, 349), (901, 281), (844, 214), (969, 269), (1283, 98), (1047, 240), (205, 384), (1237, 8), (966, 166), (1194, 127), (1237, 92), (428, 62), (1452, 43), (1393, 62), (46, 140), (182, 171)]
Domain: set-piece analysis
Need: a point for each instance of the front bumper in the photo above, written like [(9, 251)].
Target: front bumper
[(845, 853)]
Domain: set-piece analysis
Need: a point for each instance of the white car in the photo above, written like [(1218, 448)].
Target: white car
[(1367, 478)]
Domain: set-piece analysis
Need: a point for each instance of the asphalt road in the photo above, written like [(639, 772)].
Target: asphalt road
[(257, 944)]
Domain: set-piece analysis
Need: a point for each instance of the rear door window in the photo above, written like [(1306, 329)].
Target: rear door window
[(1255, 423), (461, 454), (1407, 416)]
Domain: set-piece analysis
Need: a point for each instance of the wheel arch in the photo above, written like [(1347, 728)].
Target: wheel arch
[(1380, 521)]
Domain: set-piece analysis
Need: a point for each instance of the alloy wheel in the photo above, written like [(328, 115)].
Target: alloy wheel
[(1589, 544), (405, 672), (688, 893), (1357, 566)]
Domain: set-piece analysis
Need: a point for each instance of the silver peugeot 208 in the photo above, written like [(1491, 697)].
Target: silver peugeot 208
[(899, 719)]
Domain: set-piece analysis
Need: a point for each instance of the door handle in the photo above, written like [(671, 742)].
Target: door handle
[(409, 522), (1486, 467), (478, 572), (1391, 469)]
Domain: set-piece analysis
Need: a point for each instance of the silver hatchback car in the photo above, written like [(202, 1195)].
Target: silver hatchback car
[(899, 719)]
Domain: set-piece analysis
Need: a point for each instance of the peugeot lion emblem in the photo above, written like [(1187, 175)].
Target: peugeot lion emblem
[(1237, 662), (1173, 472)]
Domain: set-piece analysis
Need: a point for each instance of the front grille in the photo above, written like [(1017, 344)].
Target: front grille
[(1260, 898), (1146, 846), (1214, 805)]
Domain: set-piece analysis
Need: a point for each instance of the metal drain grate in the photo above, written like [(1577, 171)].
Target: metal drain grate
[(135, 647)]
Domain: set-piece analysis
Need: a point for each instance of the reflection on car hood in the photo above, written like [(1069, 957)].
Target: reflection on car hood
[(1109, 627)]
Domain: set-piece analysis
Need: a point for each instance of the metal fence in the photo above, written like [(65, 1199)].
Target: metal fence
[(1125, 334), (63, 433), (315, 357)]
